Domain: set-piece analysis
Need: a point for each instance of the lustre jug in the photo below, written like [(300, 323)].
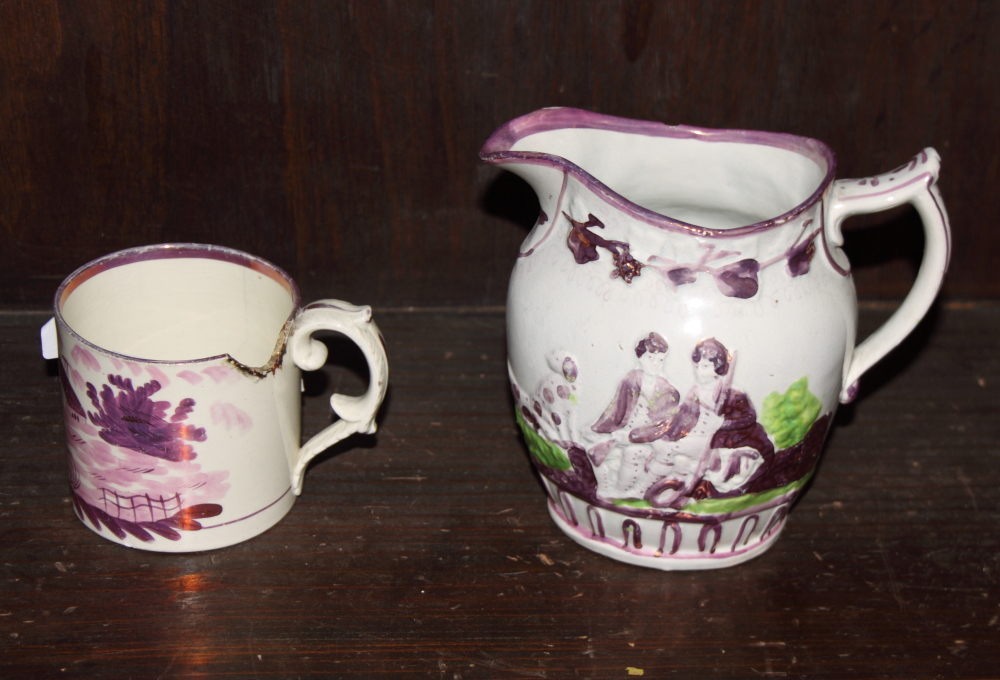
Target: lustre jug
[(681, 324)]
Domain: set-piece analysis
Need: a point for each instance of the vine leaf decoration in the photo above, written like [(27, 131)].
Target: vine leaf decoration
[(737, 279), (584, 244), (801, 253)]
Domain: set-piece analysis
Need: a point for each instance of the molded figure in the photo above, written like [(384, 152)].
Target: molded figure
[(643, 397), (713, 445)]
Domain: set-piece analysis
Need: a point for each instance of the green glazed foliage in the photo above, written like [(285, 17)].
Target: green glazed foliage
[(787, 417), (543, 451), (721, 506), (727, 505)]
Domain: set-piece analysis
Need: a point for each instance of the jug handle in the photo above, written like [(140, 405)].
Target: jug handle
[(357, 413), (914, 183)]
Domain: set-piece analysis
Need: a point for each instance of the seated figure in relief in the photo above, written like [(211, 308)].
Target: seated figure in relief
[(712, 445), (643, 397)]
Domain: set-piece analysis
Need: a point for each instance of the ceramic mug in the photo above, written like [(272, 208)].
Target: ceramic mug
[(180, 368), (681, 324)]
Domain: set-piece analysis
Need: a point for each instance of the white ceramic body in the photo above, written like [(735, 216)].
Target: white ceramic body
[(181, 382), (691, 235)]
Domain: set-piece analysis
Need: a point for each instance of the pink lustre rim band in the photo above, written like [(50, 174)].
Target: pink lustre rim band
[(168, 251), (497, 151)]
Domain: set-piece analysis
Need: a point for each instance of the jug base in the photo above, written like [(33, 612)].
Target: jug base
[(669, 549)]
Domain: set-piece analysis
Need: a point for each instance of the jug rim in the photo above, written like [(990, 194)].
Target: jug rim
[(497, 151), (163, 251)]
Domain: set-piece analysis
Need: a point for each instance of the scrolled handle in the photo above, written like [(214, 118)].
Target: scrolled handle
[(915, 182), (357, 413)]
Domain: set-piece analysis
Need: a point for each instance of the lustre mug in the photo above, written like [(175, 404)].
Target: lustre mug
[(681, 324), (180, 368)]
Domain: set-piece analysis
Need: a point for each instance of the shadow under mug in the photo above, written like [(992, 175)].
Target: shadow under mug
[(180, 368)]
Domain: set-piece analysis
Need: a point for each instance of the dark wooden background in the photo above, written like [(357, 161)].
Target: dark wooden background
[(340, 139)]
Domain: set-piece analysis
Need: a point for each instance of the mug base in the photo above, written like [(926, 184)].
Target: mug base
[(210, 534), (671, 550)]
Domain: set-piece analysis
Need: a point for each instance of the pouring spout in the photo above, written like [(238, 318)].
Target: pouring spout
[(681, 179), (541, 170), (533, 145)]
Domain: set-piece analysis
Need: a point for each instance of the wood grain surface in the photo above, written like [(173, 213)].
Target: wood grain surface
[(340, 139), (425, 551)]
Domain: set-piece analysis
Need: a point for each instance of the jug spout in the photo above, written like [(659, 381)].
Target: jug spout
[(545, 169), (683, 179)]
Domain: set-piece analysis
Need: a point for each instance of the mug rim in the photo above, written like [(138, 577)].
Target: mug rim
[(161, 251), (497, 151)]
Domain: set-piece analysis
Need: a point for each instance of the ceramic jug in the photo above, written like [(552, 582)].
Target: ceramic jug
[(681, 324)]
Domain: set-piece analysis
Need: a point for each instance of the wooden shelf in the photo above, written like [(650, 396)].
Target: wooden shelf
[(426, 550)]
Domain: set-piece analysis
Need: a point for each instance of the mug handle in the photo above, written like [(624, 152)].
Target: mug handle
[(914, 182), (357, 413)]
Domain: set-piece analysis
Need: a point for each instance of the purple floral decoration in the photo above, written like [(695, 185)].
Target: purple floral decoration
[(133, 421), (736, 279), (739, 279), (72, 401), (679, 276), (185, 519), (801, 254), (584, 244)]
